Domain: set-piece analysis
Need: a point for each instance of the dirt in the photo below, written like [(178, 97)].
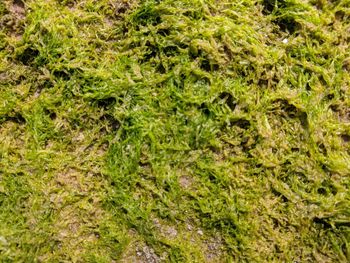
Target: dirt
[(214, 249), (147, 255), (14, 19), (69, 179), (139, 252), (185, 181), (18, 9), (167, 231)]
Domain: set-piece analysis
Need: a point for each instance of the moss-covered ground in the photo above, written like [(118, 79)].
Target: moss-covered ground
[(174, 131)]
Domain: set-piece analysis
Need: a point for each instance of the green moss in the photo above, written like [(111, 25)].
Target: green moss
[(181, 131)]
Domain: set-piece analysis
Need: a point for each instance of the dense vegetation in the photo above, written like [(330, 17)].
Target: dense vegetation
[(174, 131)]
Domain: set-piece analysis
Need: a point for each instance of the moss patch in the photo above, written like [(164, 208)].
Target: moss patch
[(181, 131)]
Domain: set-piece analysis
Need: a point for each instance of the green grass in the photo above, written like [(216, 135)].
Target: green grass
[(174, 131)]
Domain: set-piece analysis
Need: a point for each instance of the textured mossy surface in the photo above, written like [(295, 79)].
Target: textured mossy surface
[(174, 131)]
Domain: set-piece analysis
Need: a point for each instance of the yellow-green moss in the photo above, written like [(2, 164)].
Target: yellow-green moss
[(175, 131)]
